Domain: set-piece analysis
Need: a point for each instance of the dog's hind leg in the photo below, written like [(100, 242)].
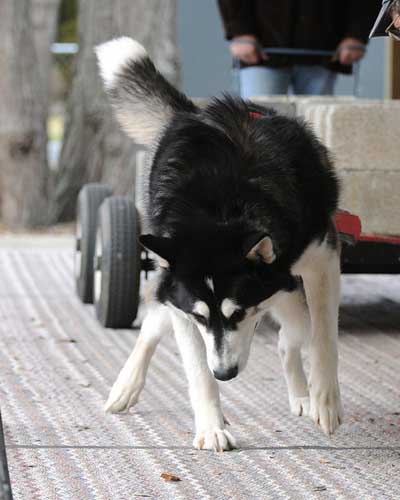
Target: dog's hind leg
[(130, 382), (319, 268), (203, 388), (291, 312)]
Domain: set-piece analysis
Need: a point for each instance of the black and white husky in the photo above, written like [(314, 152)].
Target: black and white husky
[(241, 203)]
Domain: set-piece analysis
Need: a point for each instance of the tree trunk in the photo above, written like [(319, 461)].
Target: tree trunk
[(23, 135), (94, 148), (44, 16)]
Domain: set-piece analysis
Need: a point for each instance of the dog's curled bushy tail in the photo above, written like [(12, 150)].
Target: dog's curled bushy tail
[(143, 99)]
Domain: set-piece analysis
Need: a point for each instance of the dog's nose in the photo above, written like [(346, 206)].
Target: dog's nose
[(226, 374)]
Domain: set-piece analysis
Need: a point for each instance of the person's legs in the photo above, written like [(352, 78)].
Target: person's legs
[(313, 80), (259, 80)]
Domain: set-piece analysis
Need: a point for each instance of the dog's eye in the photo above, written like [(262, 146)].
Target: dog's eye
[(238, 315), (200, 318)]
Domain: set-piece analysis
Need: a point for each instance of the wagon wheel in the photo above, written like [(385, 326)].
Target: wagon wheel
[(90, 198), (117, 263)]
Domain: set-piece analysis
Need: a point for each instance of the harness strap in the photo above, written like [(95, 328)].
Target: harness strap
[(256, 114)]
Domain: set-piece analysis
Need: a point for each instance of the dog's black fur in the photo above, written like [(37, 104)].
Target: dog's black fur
[(222, 179)]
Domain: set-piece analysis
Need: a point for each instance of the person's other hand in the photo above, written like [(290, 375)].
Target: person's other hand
[(246, 48), (349, 51)]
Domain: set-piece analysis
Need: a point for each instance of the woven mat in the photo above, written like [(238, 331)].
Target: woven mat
[(58, 365)]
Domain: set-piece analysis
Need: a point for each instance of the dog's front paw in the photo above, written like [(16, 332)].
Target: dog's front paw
[(300, 406), (326, 407), (214, 439), (122, 397)]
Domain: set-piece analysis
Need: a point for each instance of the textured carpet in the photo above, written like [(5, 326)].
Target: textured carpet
[(58, 364)]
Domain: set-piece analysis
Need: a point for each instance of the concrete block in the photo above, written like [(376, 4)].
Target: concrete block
[(364, 136), (361, 134), (315, 108), (375, 197), (314, 115), (304, 103), (281, 104)]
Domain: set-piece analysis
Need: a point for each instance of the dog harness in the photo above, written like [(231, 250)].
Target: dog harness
[(256, 114)]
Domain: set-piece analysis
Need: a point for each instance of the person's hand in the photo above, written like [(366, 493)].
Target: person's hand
[(349, 51), (246, 48)]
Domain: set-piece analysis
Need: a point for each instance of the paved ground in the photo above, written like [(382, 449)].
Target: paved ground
[(58, 365)]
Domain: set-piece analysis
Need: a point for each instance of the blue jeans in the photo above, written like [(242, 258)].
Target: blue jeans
[(298, 80)]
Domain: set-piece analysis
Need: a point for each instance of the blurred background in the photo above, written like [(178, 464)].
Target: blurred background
[(56, 128)]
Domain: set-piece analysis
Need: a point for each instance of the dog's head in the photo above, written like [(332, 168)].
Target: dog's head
[(224, 292)]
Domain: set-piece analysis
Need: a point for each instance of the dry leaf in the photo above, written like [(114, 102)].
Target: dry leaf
[(169, 477)]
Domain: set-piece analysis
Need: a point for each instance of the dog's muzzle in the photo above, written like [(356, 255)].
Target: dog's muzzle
[(226, 374)]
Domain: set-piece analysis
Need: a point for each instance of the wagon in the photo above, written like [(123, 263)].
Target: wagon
[(109, 259)]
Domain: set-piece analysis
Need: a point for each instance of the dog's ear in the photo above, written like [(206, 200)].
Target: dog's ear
[(144, 101), (163, 247), (259, 246)]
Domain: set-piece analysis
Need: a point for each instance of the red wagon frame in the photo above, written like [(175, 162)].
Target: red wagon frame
[(366, 253)]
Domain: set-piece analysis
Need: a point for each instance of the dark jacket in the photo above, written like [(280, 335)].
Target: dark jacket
[(301, 24)]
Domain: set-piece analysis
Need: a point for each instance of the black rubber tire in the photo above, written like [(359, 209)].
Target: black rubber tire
[(90, 198), (118, 269)]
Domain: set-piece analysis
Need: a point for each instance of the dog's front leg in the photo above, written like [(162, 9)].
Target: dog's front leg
[(320, 270), (130, 382), (203, 388)]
